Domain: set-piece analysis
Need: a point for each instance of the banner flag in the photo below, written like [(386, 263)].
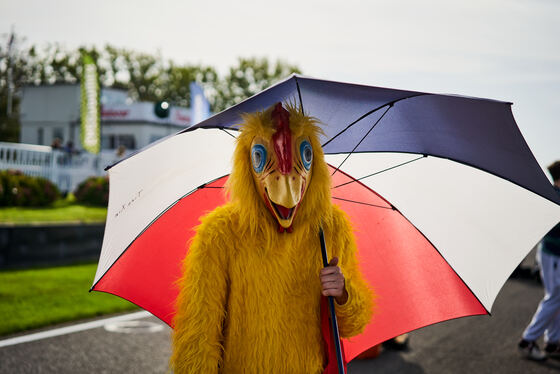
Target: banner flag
[(199, 104), (89, 113)]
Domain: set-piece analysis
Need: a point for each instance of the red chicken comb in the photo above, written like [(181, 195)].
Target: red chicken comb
[(282, 138)]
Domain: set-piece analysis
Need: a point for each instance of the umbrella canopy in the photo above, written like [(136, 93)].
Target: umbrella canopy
[(459, 199)]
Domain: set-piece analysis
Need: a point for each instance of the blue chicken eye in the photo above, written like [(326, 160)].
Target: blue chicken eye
[(258, 157), (306, 153)]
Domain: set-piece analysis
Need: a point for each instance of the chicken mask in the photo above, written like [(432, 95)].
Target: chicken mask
[(282, 166)]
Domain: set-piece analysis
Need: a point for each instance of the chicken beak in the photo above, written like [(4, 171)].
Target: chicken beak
[(284, 194)]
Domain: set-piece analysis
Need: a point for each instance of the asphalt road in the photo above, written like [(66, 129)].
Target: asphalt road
[(480, 344)]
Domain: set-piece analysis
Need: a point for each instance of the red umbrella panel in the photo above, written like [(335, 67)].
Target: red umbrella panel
[(415, 286)]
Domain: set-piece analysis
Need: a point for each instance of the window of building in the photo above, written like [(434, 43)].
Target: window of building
[(127, 140), (58, 132), (113, 141), (40, 136)]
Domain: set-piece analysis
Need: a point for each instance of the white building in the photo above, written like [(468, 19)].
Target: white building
[(53, 111)]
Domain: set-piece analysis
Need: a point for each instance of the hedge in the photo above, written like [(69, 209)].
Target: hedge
[(18, 189), (93, 191)]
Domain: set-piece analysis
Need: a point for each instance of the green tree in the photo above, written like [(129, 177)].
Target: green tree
[(177, 89), (248, 77), (149, 77), (146, 77), (13, 73)]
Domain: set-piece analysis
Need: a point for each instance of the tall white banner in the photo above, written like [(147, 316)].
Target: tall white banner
[(90, 131)]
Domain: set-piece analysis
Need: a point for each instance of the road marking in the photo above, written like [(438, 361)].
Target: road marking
[(133, 327), (72, 329)]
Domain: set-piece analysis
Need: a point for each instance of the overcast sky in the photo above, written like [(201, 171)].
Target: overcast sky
[(503, 49)]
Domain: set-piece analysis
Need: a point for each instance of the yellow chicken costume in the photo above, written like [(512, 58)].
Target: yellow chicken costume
[(250, 296)]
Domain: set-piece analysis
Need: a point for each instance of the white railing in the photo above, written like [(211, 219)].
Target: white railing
[(64, 169)]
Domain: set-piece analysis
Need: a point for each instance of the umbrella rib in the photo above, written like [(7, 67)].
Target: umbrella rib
[(444, 259), (381, 171), (361, 140), (150, 224), (371, 112), (299, 94), (362, 203), (227, 132)]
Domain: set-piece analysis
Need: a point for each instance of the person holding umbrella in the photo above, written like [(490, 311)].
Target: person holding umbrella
[(402, 164), (547, 317), (250, 297)]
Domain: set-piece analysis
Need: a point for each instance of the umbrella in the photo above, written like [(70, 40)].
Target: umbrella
[(444, 193)]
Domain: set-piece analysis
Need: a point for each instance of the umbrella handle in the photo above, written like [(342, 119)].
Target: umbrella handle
[(334, 323)]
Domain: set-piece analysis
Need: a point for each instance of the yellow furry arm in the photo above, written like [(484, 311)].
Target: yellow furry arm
[(201, 304), (356, 313)]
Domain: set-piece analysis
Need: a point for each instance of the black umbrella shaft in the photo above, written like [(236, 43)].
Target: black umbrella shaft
[(334, 323)]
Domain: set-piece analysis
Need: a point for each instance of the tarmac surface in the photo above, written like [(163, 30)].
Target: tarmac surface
[(482, 344)]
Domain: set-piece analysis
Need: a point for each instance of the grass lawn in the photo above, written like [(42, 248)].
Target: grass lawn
[(61, 211), (39, 297)]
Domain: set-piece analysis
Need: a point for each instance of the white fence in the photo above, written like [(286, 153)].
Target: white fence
[(64, 169)]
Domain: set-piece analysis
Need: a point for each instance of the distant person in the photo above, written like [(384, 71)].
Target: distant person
[(547, 317), (56, 143), (121, 151), (69, 147)]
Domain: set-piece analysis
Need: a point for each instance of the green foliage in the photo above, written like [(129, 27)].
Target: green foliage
[(40, 297), (11, 70), (93, 191), (17, 189), (178, 79), (250, 76), (146, 77)]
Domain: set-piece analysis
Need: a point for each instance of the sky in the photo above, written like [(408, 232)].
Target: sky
[(501, 49)]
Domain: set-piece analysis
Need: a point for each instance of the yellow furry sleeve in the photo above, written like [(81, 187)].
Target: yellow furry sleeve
[(201, 304), (355, 314)]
